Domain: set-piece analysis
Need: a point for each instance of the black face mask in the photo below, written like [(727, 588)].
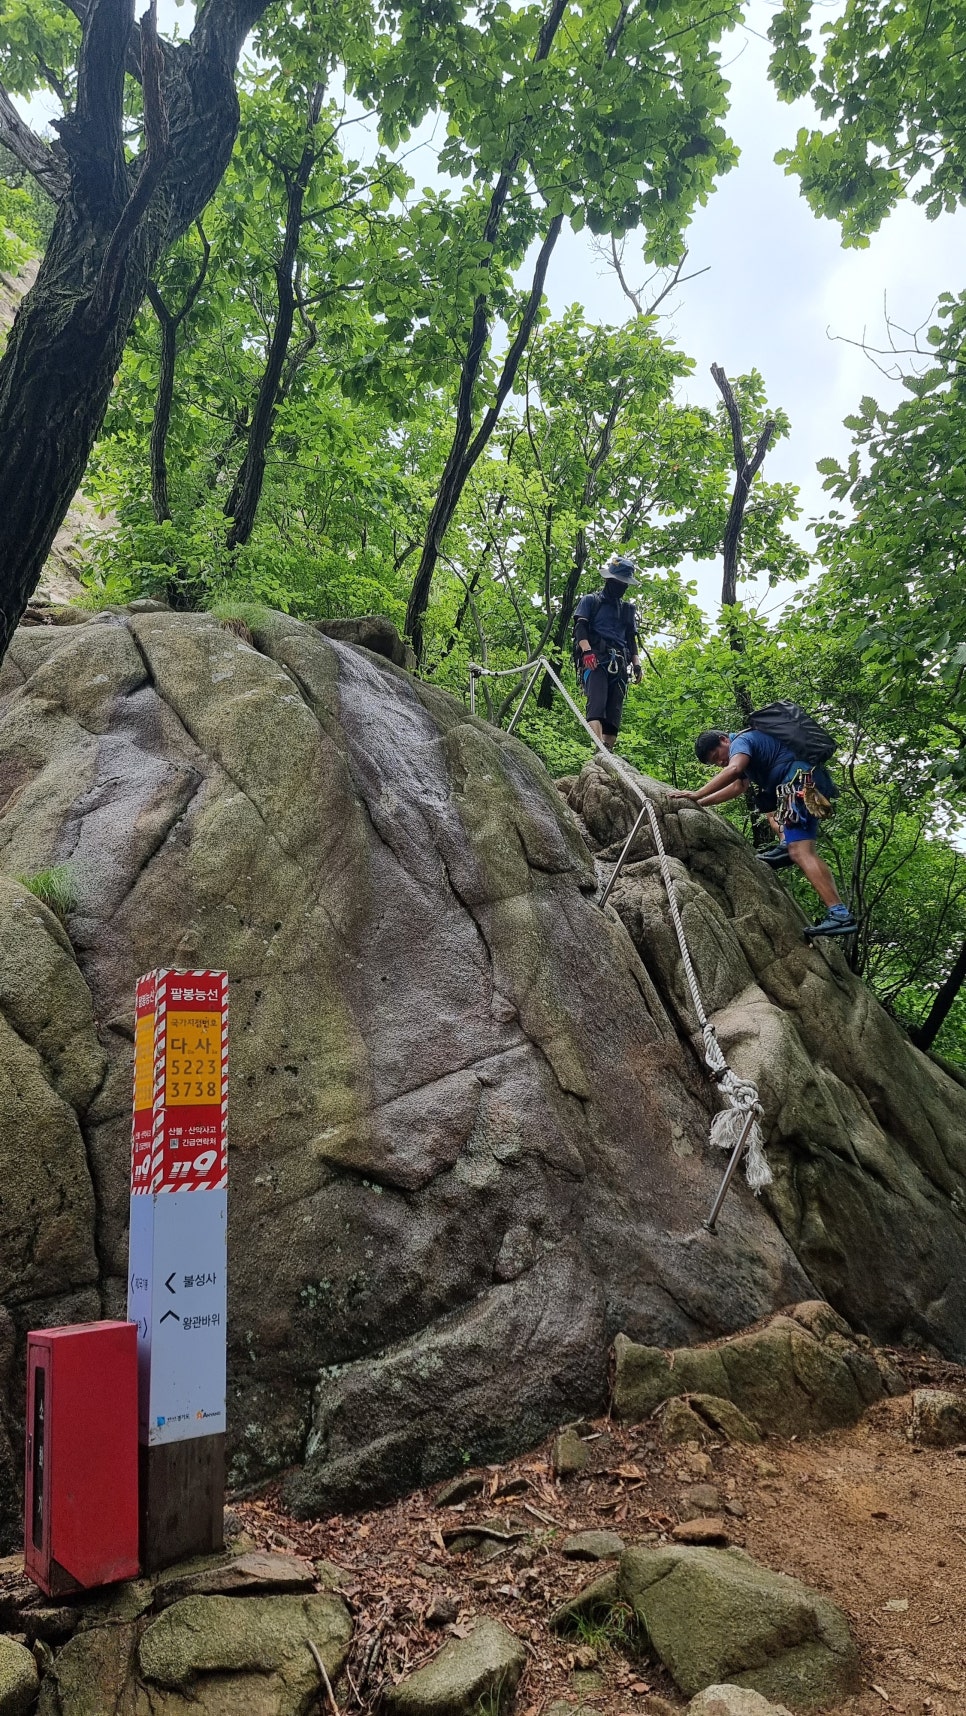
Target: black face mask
[(614, 590)]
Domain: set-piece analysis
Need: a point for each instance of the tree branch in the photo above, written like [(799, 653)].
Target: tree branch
[(745, 471), (153, 163), (511, 362), (39, 159), (93, 135)]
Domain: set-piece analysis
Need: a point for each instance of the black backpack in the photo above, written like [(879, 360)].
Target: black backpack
[(794, 727), (587, 621)]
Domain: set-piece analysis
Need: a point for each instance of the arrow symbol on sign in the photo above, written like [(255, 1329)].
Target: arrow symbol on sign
[(168, 1314), (169, 1281)]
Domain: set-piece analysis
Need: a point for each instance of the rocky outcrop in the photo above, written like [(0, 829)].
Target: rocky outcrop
[(798, 1375), (19, 1680), (938, 1419), (866, 1136), (216, 1655), (468, 1126)]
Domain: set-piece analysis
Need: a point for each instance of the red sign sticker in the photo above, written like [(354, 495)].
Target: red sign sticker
[(180, 1082)]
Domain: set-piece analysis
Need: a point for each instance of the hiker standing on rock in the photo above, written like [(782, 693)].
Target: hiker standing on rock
[(605, 649), (781, 753)]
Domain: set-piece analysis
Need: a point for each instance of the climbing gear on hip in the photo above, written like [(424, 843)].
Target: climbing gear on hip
[(800, 795), (616, 661)]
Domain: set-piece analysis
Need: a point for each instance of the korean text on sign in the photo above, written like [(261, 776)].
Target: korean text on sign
[(180, 1084)]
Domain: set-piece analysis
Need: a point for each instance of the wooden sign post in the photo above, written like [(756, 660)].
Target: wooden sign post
[(178, 1259)]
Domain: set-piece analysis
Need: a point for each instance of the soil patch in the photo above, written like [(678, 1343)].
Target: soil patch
[(860, 1514)]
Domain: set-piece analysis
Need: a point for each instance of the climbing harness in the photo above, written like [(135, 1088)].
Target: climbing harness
[(737, 1127)]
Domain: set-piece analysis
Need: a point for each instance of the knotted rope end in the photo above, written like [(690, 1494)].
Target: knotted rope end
[(726, 1130)]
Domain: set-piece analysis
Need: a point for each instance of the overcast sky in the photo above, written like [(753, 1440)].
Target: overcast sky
[(779, 284)]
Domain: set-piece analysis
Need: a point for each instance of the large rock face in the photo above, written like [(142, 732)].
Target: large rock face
[(866, 1136), (467, 1132)]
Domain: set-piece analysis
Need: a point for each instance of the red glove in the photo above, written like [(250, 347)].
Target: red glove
[(589, 661)]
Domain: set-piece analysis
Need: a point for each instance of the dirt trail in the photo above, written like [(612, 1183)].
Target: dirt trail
[(860, 1514)]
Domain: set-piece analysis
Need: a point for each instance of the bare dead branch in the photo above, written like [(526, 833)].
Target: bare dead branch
[(324, 1677), (745, 471), (43, 162)]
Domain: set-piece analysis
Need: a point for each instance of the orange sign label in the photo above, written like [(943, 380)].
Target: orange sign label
[(144, 1062), (192, 1059)]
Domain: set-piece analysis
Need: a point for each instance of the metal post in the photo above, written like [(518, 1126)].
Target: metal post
[(618, 867), (472, 689), (736, 1156), (530, 685)]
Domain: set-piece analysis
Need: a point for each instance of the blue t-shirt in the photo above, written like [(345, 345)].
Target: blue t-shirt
[(769, 761)]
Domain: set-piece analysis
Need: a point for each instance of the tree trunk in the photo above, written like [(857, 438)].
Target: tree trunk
[(564, 618), (112, 226), (242, 504), (925, 1035), (170, 326), (463, 453), (745, 471), (463, 457)]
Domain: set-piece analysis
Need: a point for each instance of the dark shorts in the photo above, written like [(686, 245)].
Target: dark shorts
[(605, 693)]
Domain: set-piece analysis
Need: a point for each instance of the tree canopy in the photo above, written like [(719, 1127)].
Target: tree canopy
[(292, 373)]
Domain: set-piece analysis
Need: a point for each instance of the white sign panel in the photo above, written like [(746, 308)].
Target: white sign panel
[(177, 1295)]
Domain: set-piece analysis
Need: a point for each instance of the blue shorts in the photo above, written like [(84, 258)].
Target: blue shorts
[(806, 828)]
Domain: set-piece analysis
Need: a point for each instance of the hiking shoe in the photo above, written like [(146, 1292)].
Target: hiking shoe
[(776, 857), (839, 922)]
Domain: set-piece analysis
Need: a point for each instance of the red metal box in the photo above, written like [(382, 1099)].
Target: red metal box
[(81, 1492)]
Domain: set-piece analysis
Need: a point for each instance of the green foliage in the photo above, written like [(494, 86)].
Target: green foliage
[(888, 81), (895, 589), (613, 1629), (55, 886), (25, 214), (614, 122)]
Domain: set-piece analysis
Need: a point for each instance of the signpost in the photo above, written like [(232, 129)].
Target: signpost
[(177, 1282)]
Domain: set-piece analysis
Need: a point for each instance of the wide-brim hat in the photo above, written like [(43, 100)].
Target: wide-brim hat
[(621, 569)]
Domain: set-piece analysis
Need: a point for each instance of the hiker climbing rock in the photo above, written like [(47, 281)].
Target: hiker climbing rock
[(781, 752), (605, 648)]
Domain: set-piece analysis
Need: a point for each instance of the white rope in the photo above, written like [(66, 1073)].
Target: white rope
[(740, 1095)]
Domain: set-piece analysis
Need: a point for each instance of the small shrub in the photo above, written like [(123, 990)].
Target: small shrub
[(55, 886), (616, 1628), (245, 619)]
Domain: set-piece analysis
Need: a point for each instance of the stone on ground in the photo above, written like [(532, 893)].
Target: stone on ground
[(487, 1664), (216, 1655), (707, 1530), (733, 1701), (461, 1489), (938, 1418), (257, 1570), (94, 1673), (18, 1678), (592, 1546), (715, 1615), (699, 1501), (705, 1418), (570, 1454), (801, 1373)]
